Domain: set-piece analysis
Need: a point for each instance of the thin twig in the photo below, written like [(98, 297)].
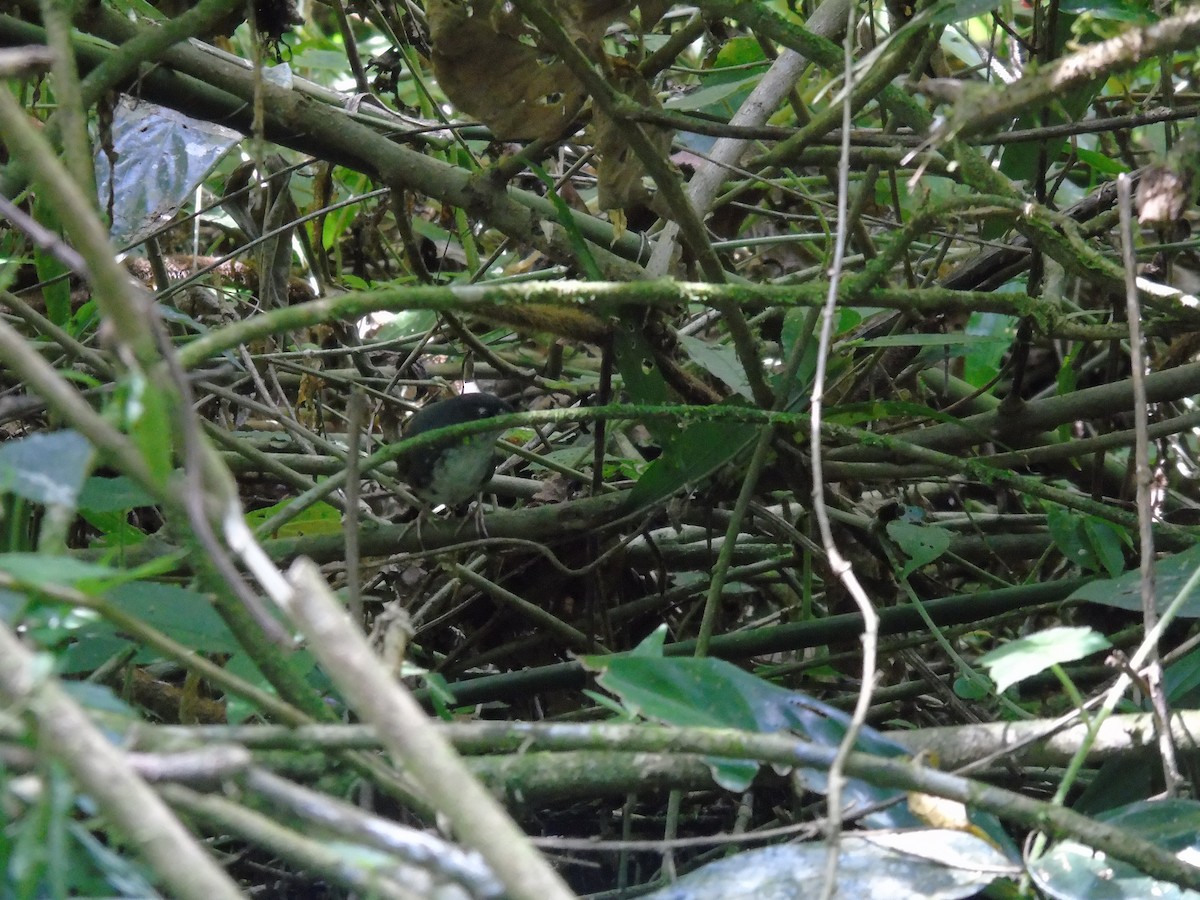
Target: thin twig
[(1144, 480), (356, 416), (839, 564)]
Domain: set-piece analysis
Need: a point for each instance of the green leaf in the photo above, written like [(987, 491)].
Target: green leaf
[(1125, 592), (181, 614), (1067, 378), (922, 543), (1101, 162), (714, 693), (798, 325), (238, 710), (653, 643), (1028, 656), (1091, 543), (52, 274), (1072, 869), (738, 51), (1181, 679), (1107, 542), (566, 218), (85, 317), (31, 867), (112, 494), (712, 94), (46, 468), (1114, 10), (99, 697), (149, 417), (40, 569), (12, 606), (121, 875), (1068, 537), (927, 340), (640, 375), (440, 694), (982, 363), (971, 688), (405, 324), (719, 360), (320, 518), (115, 531), (950, 11), (691, 458), (87, 647)]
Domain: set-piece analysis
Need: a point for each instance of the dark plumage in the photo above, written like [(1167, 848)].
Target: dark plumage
[(455, 471)]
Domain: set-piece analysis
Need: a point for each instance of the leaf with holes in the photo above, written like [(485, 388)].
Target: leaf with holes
[(922, 543)]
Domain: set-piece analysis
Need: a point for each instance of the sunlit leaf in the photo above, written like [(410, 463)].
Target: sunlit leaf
[(1029, 656)]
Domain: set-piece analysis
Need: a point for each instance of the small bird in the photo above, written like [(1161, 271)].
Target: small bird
[(454, 471)]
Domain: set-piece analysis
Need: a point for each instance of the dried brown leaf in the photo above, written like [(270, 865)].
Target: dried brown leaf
[(486, 67), (620, 173)]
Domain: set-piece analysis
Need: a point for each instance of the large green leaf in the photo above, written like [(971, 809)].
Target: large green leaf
[(1088, 541), (1074, 870), (1125, 592), (46, 468), (925, 864), (157, 157), (184, 615), (716, 694)]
